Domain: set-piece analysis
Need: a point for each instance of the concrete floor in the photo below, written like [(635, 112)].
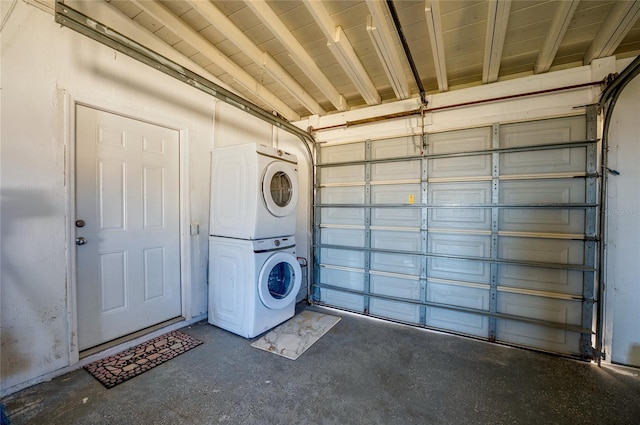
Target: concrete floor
[(362, 372)]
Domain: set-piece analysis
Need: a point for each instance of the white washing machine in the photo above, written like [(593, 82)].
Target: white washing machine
[(252, 283), (254, 192)]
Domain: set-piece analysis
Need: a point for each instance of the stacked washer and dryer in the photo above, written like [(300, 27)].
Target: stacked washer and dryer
[(254, 274)]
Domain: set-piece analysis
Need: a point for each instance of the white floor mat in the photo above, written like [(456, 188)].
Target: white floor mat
[(295, 336)]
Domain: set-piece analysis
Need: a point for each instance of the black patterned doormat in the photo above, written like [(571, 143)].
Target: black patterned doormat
[(123, 366)]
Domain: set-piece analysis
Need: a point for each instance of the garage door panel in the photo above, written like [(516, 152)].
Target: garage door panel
[(342, 195), (460, 245), (541, 308), (407, 217), (396, 263), (348, 279), (466, 323), (553, 191), (460, 296), (460, 218), (559, 311), (342, 153), (342, 216), (395, 194), (342, 257), (568, 160), (395, 310), (459, 270), (467, 140), (395, 286), (341, 175), (396, 171), (541, 279), (556, 251), (343, 237), (536, 336), (460, 167), (556, 220), (396, 148), (396, 241), (555, 130), (341, 299), (446, 194)]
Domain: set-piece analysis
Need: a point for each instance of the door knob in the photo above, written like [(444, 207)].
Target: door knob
[(81, 241)]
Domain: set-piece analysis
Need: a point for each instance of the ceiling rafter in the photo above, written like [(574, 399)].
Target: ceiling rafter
[(616, 26), (434, 26), (383, 41), (297, 53), (198, 42), (343, 51), (557, 31), (497, 20), (217, 19)]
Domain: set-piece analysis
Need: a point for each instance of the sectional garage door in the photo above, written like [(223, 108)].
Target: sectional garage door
[(488, 232)]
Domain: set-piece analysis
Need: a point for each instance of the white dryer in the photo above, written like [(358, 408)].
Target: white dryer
[(254, 192), (252, 283)]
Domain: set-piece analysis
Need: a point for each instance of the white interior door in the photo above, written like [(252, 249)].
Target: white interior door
[(127, 228)]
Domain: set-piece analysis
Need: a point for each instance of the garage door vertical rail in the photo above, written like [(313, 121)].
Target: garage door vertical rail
[(424, 227), (591, 236), (367, 225), (501, 244), (495, 217)]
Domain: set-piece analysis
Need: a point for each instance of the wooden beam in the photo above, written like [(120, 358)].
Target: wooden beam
[(202, 45), (619, 22), (219, 20), (559, 25), (342, 50), (384, 43), (298, 54), (497, 19), (434, 26)]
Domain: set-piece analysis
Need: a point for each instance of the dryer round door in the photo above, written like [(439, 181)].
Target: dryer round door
[(280, 188), (279, 280)]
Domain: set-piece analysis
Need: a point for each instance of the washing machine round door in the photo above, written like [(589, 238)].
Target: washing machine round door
[(280, 188), (279, 280)]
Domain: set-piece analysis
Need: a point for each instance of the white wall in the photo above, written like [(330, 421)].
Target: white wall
[(623, 231)]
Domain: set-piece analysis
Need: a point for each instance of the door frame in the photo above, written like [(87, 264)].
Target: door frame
[(67, 103)]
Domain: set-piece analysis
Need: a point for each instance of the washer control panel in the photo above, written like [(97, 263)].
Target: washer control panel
[(262, 245)]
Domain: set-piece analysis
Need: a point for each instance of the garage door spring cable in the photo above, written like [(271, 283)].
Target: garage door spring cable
[(407, 51)]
